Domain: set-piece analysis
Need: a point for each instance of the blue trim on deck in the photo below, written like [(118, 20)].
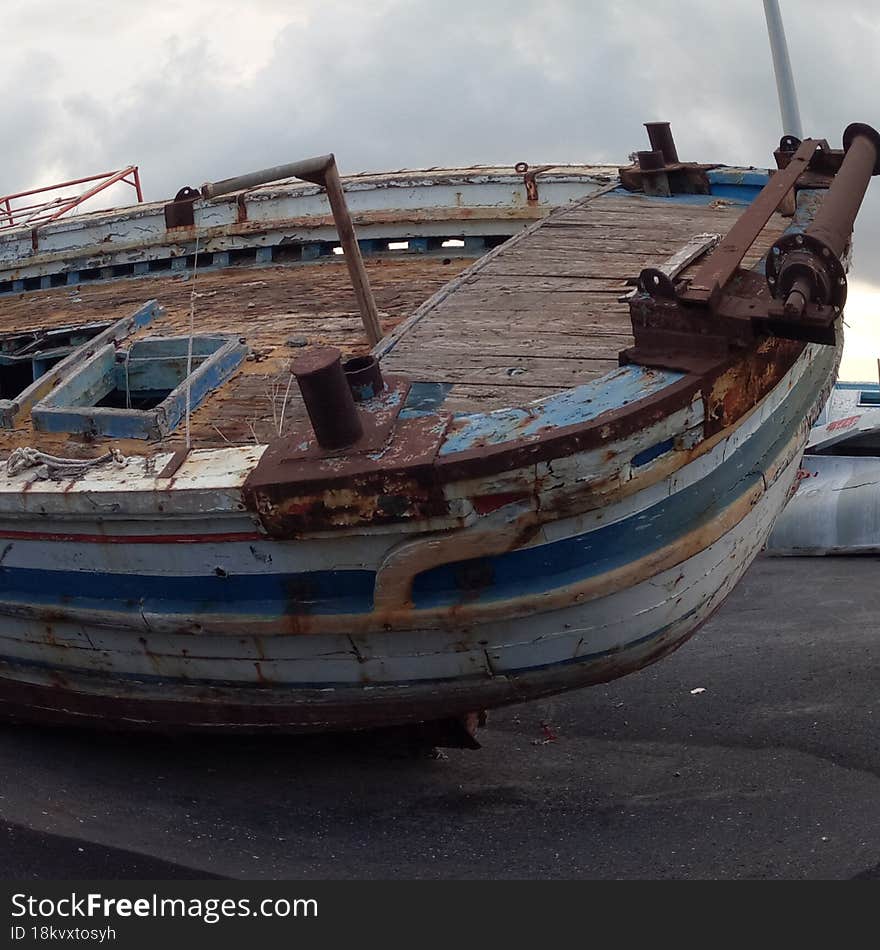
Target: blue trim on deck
[(614, 390), (736, 185)]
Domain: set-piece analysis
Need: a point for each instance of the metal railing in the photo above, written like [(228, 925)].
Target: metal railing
[(42, 212), (320, 171)]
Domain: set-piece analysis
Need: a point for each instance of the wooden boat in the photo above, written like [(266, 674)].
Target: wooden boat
[(546, 471)]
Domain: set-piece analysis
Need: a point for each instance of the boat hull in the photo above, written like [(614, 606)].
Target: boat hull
[(836, 510), (54, 695), (591, 596)]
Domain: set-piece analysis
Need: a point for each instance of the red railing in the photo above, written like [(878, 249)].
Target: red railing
[(42, 212)]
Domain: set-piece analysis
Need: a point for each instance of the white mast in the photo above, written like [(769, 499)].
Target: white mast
[(788, 106)]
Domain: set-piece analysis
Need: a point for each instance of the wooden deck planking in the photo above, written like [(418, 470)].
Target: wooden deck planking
[(539, 315), (279, 310), (543, 313)]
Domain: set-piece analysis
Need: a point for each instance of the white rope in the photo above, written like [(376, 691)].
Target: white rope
[(127, 383), (54, 466), (189, 348)]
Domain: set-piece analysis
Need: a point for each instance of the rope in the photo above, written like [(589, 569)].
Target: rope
[(189, 348), (127, 384), (54, 466)]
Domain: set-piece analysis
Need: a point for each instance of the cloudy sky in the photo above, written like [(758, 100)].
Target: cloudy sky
[(210, 88)]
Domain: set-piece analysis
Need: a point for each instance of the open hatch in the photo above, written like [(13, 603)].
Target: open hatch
[(139, 392)]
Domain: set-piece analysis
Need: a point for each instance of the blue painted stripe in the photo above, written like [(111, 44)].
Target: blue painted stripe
[(312, 592), (654, 452), (526, 571), (537, 569)]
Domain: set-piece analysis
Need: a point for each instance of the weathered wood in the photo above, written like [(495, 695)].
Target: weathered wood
[(548, 297), (279, 310), (543, 312), (458, 366)]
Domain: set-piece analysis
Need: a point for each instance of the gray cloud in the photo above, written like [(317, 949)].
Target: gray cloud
[(412, 82)]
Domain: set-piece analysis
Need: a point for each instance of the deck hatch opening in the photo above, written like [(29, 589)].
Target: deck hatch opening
[(139, 392), (25, 357)]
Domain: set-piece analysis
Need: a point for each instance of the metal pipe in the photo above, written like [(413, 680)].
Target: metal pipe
[(660, 137), (788, 105), (309, 169), (66, 184), (807, 268), (328, 399), (321, 171), (364, 377), (650, 161), (833, 222), (352, 253)]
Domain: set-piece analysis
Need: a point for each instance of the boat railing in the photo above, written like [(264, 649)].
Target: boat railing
[(13, 215), (321, 171)]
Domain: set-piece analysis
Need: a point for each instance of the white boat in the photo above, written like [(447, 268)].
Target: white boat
[(836, 506)]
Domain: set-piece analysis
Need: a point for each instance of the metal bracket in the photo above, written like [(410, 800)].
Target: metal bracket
[(724, 308), (695, 248), (179, 213), (530, 179)]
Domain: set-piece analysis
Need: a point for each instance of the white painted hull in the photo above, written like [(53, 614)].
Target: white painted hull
[(153, 661)]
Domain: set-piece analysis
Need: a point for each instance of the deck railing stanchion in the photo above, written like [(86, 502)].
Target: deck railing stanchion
[(320, 171)]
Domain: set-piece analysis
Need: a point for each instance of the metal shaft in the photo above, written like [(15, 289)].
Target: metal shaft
[(309, 169), (834, 220), (352, 252), (321, 171), (788, 105)]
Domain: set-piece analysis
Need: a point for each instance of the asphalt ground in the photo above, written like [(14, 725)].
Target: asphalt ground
[(752, 752)]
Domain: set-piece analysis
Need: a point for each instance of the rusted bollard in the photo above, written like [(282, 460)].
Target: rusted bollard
[(328, 398), (364, 377), (650, 161), (660, 137)]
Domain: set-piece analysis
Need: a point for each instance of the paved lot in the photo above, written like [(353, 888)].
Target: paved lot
[(773, 771)]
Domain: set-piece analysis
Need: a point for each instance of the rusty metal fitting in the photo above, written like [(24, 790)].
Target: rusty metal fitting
[(655, 282), (650, 161), (660, 137), (179, 213), (808, 268), (328, 399), (364, 377), (860, 130)]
